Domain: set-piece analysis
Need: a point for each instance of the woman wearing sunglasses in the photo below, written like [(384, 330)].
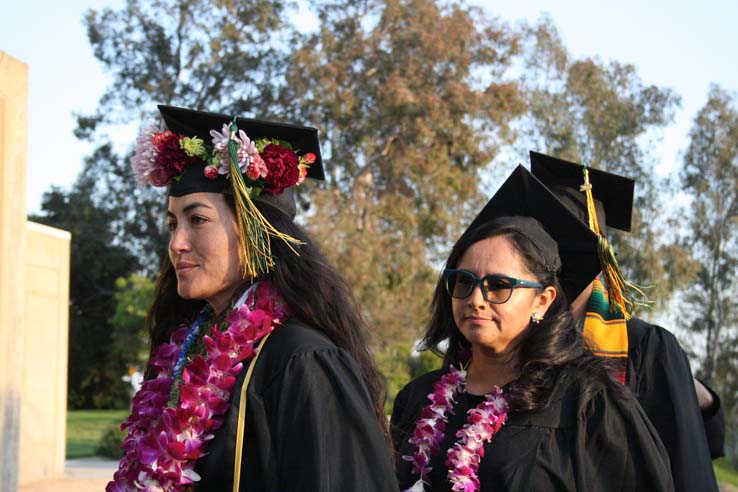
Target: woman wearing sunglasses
[(520, 403)]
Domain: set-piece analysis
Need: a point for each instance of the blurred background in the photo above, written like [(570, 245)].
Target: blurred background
[(423, 107)]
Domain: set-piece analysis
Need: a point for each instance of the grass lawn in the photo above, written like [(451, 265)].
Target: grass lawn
[(724, 472), (85, 428)]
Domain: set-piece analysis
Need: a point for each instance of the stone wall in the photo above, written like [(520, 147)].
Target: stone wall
[(34, 307), (45, 350), (13, 145)]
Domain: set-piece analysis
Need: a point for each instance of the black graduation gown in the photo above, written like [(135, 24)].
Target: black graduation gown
[(599, 443), (660, 377), (715, 425), (310, 424)]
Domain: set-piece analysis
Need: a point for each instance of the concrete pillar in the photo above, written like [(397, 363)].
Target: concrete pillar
[(13, 147), (45, 354)]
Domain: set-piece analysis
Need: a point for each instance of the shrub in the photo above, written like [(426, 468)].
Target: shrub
[(110, 442)]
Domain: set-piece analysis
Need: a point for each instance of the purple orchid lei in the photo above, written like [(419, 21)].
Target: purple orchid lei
[(464, 457), (164, 442)]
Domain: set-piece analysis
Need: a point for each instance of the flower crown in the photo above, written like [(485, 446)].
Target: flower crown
[(249, 166), (265, 164)]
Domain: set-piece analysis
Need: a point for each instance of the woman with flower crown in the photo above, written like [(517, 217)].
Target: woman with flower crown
[(520, 403), (259, 377)]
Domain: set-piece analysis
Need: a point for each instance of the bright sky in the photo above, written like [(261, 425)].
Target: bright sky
[(682, 46)]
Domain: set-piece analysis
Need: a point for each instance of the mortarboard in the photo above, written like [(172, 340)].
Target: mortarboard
[(614, 193), (522, 194), (191, 123), (302, 139), (252, 160), (581, 188)]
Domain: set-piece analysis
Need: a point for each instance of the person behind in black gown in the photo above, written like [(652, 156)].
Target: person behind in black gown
[(260, 377), (686, 413), (500, 312)]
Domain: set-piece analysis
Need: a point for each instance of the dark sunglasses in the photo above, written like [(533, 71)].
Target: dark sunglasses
[(496, 289)]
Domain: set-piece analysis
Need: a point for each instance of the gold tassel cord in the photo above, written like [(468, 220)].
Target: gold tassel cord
[(623, 294), (254, 229), (591, 210), (620, 291)]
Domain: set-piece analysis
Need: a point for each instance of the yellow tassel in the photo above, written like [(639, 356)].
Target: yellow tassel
[(619, 290), (591, 209), (254, 229)]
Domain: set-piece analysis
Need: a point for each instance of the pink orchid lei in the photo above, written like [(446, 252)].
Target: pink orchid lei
[(164, 442), (464, 457)]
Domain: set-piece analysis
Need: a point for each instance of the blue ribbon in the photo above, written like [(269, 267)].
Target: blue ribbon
[(192, 334)]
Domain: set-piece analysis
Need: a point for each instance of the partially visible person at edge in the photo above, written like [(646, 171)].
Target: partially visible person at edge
[(260, 378), (520, 404), (687, 414)]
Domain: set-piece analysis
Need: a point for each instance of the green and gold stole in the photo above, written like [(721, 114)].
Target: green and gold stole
[(606, 332)]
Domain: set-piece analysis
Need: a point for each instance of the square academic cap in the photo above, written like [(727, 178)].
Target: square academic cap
[(185, 175), (191, 123), (614, 192), (522, 194)]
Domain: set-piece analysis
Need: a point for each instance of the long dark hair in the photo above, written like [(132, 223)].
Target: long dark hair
[(314, 290), (545, 348)]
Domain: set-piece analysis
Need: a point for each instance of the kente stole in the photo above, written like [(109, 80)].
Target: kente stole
[(606, 331)]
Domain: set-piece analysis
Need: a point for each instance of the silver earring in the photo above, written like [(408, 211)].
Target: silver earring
[(536, 318)]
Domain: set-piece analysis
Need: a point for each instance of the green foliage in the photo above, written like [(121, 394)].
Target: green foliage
[(412, 102), (588, 110), (731, 437), (137, 214), (202, 54), (725, 472), (96, 261), (603, 114), (86, 427), (399, 365), (710, 178), (109, 445), (130, 339)]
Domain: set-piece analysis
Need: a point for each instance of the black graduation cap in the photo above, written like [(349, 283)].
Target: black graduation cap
[(193, 123), (522, 194), (615, 193)]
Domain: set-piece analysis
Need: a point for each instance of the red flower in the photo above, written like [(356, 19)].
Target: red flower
[(170, 158), (160, 176), (309, 158), (211, 172), (282, 164)]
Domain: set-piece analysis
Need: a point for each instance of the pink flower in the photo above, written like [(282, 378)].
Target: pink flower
[(247, 156), (257, 168), (144, 157), (302, 170), (163, 443), (220, 140), (464, 457), (246, 150)]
